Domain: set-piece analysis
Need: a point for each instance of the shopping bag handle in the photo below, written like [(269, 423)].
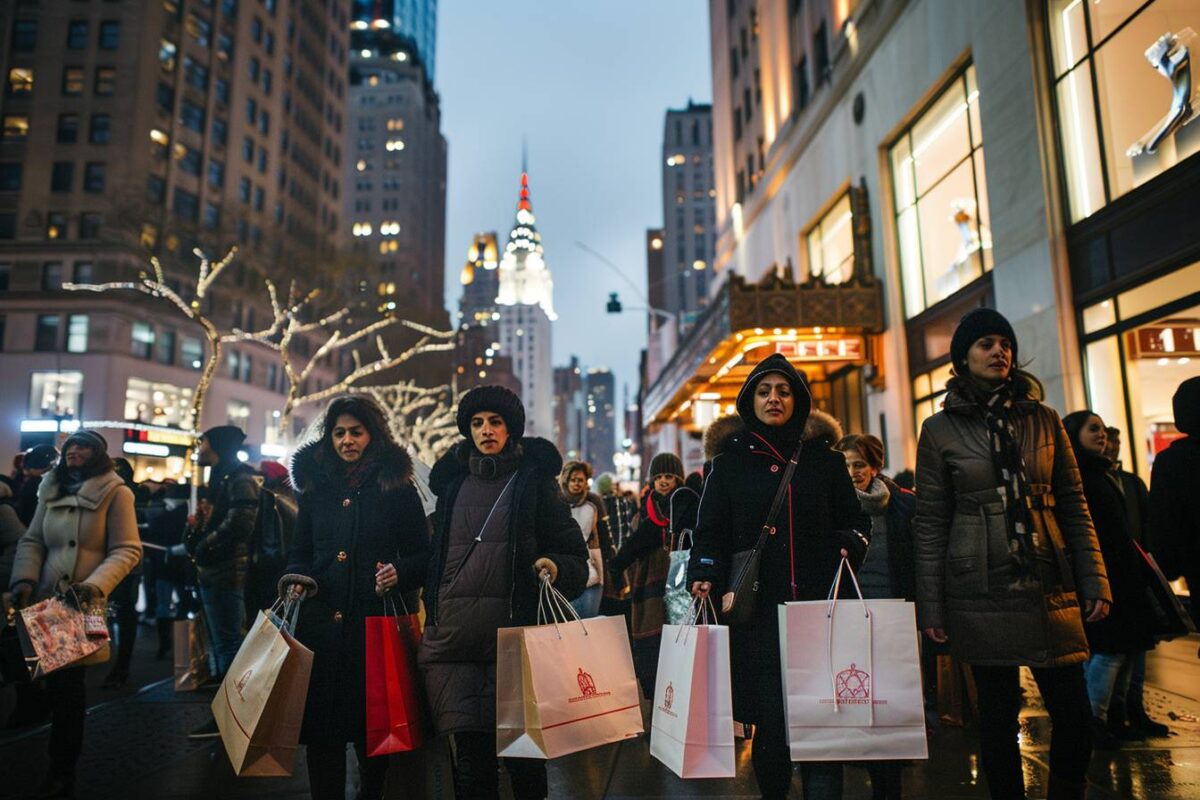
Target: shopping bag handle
[(833, 599), (290, 614), (390, 601), (553, 607), (835, 589), (701, 611)]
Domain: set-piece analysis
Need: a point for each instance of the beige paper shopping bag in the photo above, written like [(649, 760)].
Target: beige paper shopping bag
[(564, 686), (260, 705), (191, 654)]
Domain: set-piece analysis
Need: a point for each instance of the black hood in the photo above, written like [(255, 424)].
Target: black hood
[(312, 467), (533, 451), (790, 431), (1187, 406)]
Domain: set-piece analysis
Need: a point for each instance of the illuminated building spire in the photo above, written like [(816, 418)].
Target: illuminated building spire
[(524, 277)]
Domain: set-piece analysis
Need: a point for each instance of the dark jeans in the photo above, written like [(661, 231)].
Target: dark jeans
[(68, 699), (772, 758), (226, 616), (477, 770), (327, 772), (886, 779), (1065, 694), (123, 602)]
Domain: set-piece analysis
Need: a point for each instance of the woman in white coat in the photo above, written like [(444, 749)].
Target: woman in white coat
[(82, 539)]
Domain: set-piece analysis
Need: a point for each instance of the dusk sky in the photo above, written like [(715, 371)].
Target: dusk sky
[(587, 84)]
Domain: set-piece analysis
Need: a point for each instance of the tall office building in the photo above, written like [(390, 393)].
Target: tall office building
[(569, 419), (414, 20), (526, 301), (478, 357), (601, 433), (687, 195), (133, 129)]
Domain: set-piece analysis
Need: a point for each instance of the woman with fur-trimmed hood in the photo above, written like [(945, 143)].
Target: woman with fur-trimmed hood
[(360, 534)]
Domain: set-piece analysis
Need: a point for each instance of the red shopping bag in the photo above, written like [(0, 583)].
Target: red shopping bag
[(395, 722)]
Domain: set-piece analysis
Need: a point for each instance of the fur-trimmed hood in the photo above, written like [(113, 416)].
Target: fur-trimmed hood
[(309, 470), (820, 427), (540, 453)]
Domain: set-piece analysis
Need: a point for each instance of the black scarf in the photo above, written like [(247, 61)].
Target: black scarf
[(490, 467), (998, 407)]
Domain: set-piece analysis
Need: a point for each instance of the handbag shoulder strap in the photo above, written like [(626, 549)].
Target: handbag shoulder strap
[(784, 483)]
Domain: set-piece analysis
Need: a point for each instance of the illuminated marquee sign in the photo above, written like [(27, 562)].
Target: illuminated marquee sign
[(846, 348)]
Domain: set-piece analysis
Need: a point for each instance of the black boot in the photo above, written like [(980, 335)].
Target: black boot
[(165, 630), (1102, 737), (1118, 727), (1146, 726)]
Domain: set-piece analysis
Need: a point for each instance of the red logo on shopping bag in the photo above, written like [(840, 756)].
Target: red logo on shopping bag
[(242, 681), (587, 688), (854, 685), (668, 701)]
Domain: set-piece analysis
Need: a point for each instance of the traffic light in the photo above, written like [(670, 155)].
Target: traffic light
[(614, 304)]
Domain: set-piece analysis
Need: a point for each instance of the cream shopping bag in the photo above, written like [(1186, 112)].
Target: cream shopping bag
[(260, 705), (852, 678), (564, 686), (692, 724)]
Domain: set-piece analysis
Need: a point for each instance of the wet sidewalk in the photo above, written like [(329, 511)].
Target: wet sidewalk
[(137, 747)]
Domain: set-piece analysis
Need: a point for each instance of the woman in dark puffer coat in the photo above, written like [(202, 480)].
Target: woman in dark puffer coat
[(360, 533), (1003, 543), (818, 520)]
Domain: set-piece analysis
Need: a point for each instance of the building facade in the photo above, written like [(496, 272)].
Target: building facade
[(688, 200), (134, 129), (478, 357), (570, 422), (601, 426), (414, 20), (882, 167)]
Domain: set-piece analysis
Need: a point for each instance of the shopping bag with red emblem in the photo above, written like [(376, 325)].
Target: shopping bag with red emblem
[(692, 724), (395, 723), (564, 685), (852, 678), (260, 704)]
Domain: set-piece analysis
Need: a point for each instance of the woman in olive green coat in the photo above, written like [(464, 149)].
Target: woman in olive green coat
[(1005, 549)]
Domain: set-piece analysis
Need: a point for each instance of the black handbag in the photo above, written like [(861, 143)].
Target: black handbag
[(1171, 620), (745, 564)]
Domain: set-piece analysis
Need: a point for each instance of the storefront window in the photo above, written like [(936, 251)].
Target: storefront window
[(157, 403), (942, 218), (1102, 52), (929, 389), (55, 394), (1133, 372), (829, 244)]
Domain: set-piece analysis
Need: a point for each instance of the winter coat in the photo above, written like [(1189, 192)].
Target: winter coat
[(647, 555), (1174, 529), (963, 565), (898, 519), (1127, 627), (11, 531), (798, 562), (1137, 504), (221, 549), (461, 692), (341, 534), (87, 537)]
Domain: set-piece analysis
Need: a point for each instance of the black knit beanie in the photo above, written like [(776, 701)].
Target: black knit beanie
[(86, 438), (225, 440), (665, 464), (497, 399), (974, 326)]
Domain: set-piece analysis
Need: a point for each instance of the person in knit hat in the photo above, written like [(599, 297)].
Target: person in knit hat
[(667, 509), (37, 461), (218, 540)]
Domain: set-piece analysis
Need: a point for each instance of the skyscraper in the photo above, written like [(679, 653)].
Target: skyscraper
[(526, 301), (688, 235), (601, 436), (569, 418), (414, 20)]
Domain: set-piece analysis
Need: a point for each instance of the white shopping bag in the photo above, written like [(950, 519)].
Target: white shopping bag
[(692, 725), (564, 686), (852, 678), (260, 705)]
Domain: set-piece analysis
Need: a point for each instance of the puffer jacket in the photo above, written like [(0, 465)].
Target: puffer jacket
[(961, 541), (462, 692), (221, 548), (341, 534), (87, 537)]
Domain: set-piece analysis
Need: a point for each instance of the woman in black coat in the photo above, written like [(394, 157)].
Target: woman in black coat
[(820, 518), (1125, 632), (360, 533)]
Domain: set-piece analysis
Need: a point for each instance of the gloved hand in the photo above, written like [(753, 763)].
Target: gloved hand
[(88, 594), (22, 595), (854, 544), (294, 586), (546, 565)]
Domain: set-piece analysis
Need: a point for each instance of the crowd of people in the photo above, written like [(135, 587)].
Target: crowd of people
[(1019, 537)]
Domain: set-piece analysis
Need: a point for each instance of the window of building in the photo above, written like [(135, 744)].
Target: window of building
[(259, 198), (1111, 105), (110, 34), (52, 276), (89, 225), (56, 225), (220, 132), (72, 81), (262, 160), (191, 352), (199, 29), (942, 219), (190, 159), (20, 81), (156, 403), (16, 126), (68, 128), (221, 90), (77, 34), (10, 176), (101, 129), (167, 53), (165, 97), (216, 173), (192, 116), (55, 394), (244, 190), (83, 272), (156, 188), (264, 122), (106, 81), (77, 333), (212, 216), (195, 74), (94, 173), (821, 53), (800, 85), (8, 225), (164, 352), (237, 413), (45, 340), (141, 340), (248, 150), (24, 37), (186, 204), (251, 110), (829, 244)]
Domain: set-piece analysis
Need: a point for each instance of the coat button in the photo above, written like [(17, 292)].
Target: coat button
[(71, 543), (774, 468), (337, 616), (346, 503), (341, 556)]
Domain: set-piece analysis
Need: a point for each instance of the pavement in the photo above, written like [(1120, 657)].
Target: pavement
[(136, 746)]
